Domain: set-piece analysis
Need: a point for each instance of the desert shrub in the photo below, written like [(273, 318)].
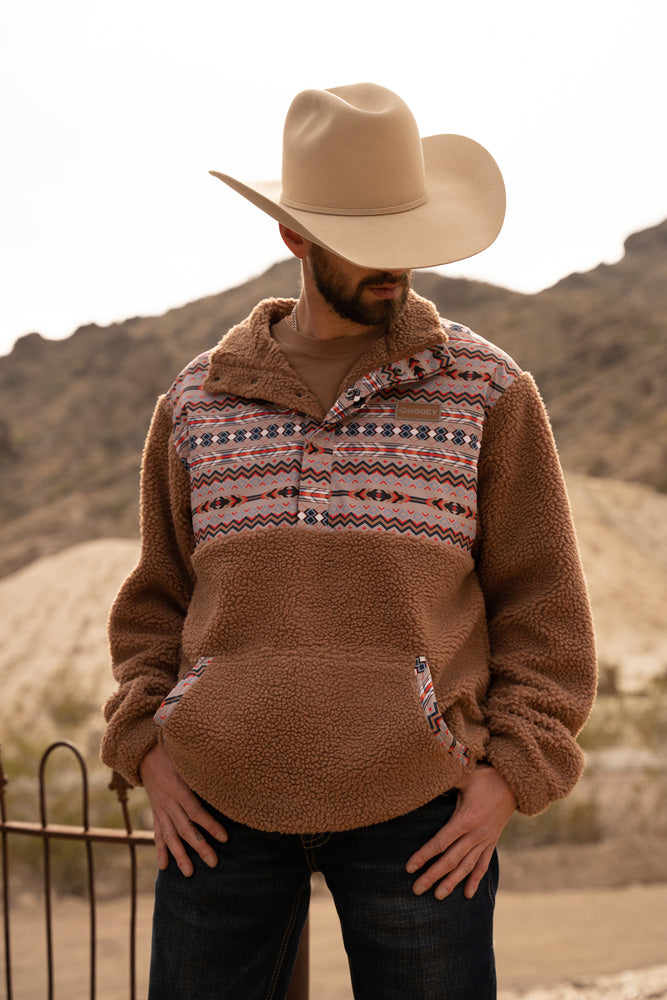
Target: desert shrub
[(565, 822), (606, 725), (651, 724), (658, 686), (608, 678)]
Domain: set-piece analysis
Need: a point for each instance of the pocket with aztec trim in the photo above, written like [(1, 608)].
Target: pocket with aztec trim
[(433, 715), (177, 692)]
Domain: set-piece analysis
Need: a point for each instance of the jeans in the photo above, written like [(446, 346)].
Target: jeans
[(232, 932)]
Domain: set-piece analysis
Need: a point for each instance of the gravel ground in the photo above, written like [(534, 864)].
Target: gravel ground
[(646, 984)]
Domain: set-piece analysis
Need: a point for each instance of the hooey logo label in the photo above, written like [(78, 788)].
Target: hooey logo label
[(407, 410)]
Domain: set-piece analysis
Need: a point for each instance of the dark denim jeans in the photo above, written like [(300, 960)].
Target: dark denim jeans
[(231, 933)]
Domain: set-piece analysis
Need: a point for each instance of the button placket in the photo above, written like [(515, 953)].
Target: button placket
[(315, 480)]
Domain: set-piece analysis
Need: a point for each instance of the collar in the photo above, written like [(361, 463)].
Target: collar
[(248, 362)]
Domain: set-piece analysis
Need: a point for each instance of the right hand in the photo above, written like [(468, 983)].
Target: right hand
[(176, 810)]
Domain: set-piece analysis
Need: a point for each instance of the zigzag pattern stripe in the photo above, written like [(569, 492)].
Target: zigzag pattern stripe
[(218, 405), (336, 520), (479, 352), (246, 453), (452, 396), (269, 473), (434, 716), (317, 476), (234, 500), (412, 454), (234, 417), (169, 704), (197, 367), (395, 498), (369, 470), (261, 520), (404, 527), (218, 477)]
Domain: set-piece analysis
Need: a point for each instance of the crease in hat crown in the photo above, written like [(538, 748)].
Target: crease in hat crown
[(352, 150), (358, 180)]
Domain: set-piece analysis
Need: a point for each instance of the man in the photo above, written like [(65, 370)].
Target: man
[(358, 637)]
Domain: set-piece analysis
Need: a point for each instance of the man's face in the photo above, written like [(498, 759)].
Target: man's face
[(370, 298)]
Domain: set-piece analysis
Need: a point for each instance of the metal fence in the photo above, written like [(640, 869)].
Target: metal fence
[(87, 835)]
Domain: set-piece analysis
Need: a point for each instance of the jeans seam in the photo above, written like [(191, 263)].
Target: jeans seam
[(277, 969), (487, 876), (309, 843), (316, 840)]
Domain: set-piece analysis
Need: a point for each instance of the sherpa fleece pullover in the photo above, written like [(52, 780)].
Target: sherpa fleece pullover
[(336, 615)]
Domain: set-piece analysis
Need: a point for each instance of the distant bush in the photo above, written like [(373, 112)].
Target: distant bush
[(566, 822)]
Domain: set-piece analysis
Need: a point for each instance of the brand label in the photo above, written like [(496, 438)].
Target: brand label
[(406, 410)]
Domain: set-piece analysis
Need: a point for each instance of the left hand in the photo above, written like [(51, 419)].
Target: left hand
[(466, 843)]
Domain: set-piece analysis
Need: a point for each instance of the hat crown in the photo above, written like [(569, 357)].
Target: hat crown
[(352, 150)]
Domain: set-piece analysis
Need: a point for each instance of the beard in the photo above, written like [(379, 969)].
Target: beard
[(349, 304)]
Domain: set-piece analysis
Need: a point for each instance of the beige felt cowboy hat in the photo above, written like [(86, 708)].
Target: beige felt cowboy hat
[(357, 179)]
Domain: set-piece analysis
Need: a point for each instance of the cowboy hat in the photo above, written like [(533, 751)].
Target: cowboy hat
[(358, 180)]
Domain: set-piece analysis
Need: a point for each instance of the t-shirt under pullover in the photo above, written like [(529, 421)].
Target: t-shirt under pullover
[(322, 364)]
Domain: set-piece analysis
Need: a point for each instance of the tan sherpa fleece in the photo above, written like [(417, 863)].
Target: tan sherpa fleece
[(305, 575)]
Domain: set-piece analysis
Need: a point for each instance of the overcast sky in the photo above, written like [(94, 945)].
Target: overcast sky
[(112, 114)]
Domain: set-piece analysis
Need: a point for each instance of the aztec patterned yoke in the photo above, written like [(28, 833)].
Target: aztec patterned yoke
[(336, 615)]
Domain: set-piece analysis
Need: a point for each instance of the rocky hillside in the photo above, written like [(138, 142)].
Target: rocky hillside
[(597, 345), (73, 413)]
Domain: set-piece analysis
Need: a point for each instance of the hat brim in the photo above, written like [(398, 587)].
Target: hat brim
[(462, 215)]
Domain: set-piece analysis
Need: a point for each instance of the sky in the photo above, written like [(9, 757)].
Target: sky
[(111, 115)]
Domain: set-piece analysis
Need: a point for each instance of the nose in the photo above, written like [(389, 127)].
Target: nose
[(396, 271)]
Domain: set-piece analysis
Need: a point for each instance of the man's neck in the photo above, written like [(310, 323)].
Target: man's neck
[(318, 319)]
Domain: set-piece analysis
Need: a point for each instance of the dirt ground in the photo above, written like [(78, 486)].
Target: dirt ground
[(601, 944)]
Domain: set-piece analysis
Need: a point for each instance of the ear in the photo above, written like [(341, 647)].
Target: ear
[(298, 245)]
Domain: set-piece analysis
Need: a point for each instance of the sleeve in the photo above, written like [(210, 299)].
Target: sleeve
[(543, 662), (146, 619)]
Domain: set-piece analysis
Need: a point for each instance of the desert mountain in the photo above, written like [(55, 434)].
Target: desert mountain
[(74, 413)]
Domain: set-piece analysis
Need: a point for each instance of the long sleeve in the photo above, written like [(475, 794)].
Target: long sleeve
[(540, 630), (146, 619)]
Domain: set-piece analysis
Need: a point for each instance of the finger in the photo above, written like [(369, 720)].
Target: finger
[(177, 830), (478, 873), (473, 868), (162, 852), (192, 835), (181, 794), (192, 816), (438, 844), (203, 818), (174, 845), (453, 864), (456, 876)]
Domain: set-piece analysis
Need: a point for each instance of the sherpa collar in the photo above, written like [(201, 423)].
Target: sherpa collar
[(248, 362)]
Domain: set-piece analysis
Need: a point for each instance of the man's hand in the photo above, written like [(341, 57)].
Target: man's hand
[(176, 809), (466, 843)]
